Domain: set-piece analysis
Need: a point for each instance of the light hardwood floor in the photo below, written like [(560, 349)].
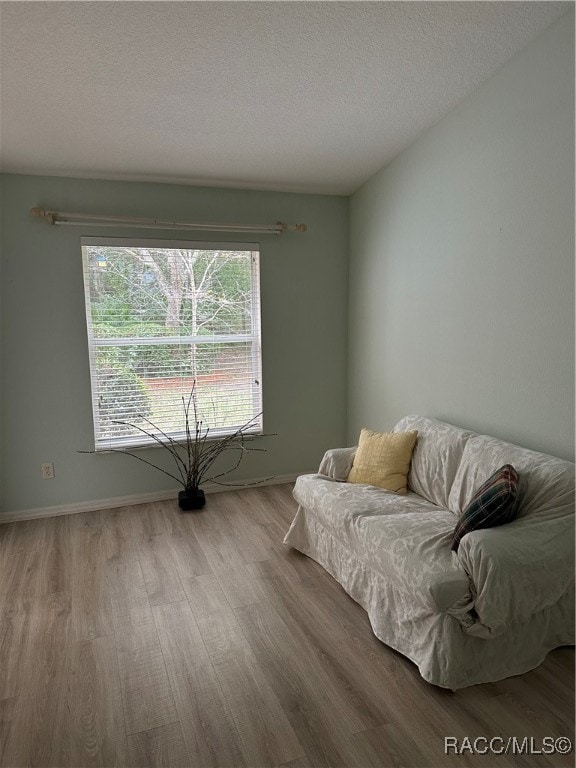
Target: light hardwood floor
[(143, 636)]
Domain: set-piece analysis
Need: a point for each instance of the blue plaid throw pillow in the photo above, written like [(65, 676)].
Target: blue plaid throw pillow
[(494, 503)]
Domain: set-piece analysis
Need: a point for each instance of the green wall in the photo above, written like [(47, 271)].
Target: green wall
[(462, 263), (46, 407)]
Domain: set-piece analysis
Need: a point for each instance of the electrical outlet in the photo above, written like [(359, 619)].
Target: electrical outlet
[(48, 471)]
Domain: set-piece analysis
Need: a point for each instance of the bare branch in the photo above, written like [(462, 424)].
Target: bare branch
[(134, 456), (160, 442), (240, 485)]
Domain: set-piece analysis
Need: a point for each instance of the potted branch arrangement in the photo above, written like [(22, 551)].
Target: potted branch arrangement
[(195, 454)]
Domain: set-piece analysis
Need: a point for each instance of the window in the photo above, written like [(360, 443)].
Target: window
[(162, 315)]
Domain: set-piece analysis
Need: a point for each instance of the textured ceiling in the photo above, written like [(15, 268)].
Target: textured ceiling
[(297, 96)]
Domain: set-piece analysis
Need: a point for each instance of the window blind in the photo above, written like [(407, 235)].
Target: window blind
[(162, 317)]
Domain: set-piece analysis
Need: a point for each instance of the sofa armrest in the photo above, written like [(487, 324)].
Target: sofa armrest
[(451, 593), (337, 463), (518, 569)]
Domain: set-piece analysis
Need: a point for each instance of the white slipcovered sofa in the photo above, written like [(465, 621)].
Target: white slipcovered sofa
[(493, 609)]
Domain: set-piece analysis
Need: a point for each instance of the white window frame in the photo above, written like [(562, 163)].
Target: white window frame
[(103, 444)]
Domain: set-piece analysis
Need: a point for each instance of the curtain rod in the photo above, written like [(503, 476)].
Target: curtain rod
[(103, 220)]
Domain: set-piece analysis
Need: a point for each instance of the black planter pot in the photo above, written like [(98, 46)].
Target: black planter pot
[(188, 500)]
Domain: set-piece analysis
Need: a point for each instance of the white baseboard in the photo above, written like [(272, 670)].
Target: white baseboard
[(138, 498)]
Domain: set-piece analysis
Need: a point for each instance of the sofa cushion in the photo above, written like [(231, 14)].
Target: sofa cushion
[(439, 449), (404, 538), (545, 485), (383, 459), (493, 504)]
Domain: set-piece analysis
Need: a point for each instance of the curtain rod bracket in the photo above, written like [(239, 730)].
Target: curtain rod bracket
[(50, 216)]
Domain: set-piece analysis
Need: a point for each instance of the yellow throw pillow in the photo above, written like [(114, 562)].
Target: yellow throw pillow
[(383, 459)]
